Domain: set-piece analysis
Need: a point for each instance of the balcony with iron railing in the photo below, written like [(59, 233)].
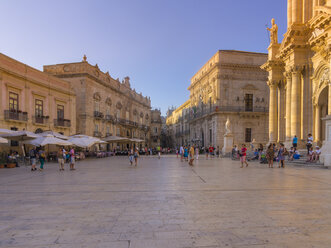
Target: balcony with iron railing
[(40, 119), (97, 115), (127, 122), (62, 123), (16, 115), (109, 118)]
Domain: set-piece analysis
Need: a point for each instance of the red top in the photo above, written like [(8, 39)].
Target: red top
[(211, 149), (243, 151)]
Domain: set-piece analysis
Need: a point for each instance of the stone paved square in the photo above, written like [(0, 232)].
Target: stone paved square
[(165, 204)]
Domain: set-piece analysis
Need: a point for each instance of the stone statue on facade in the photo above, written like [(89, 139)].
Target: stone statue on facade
[(228, 126), (273, 32)]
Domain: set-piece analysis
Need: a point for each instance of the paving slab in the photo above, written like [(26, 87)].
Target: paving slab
[(165, 203)]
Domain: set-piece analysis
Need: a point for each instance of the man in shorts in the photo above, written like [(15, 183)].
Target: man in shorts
[(72, 159)]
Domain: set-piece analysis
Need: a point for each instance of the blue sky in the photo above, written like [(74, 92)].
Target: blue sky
[(159, 44)]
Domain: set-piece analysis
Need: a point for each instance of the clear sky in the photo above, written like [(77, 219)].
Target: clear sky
[(159, 44)]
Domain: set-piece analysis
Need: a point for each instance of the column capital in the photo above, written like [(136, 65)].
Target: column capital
[(272, 83), (297, 69)]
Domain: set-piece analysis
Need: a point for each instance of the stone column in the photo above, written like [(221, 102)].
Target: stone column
[(317, 123), (281, 112), (273, 120), (329, 99), (289, 13), (296, 103), (297, 11), (288, 106)]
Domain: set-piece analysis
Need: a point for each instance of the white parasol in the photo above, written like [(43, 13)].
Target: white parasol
[(112, 139), (3, 141), (55, 134), (20, 135), (47, 140), (5, 131), (84, 141)]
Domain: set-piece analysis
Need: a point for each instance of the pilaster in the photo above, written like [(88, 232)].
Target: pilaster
[(281, 112), (273, 113), (296, 102), (288, 76)]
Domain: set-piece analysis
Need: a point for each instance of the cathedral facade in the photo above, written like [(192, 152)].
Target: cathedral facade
[(299, 74)]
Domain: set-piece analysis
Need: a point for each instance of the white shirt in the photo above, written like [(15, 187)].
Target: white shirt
[(310, 139), (318, 151)]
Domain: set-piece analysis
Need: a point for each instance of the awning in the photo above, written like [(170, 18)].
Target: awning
[(111, 139)]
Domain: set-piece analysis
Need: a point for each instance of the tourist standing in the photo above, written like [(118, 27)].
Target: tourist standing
[(42, 158), (270, 153), (281, 156), (33, 158), (72, 159), (243, 155), (191, 155), (197, 153), (176, 152), (309, 143), (211, 151), (181, 151), (295, 141), (185, 153), (60, 159), (207, 152), (136, 155)]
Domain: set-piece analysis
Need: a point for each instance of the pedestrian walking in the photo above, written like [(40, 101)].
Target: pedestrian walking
[(243, 155), (197, 153), (177, 152), (33, 158), (191, 156), (60, 159), (207, 152), (72, 159), (281, 156), (131, 156), (270, 156), (42, 158), (136, 155)]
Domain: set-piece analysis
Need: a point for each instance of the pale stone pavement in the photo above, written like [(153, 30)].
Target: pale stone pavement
[(165, 203)]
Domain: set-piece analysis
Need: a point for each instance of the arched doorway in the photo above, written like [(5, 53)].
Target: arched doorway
[(323, 111)]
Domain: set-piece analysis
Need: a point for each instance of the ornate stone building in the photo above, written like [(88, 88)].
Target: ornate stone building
[(33, 100), (230, 85), (299, 74), (105, 106), (156, 128)]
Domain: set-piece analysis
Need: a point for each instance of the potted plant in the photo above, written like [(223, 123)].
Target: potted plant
[(11, 162), (3, 160)]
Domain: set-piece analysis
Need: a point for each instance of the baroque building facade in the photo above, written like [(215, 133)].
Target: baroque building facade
[(33, 100), (156, 128), (230, 85), (105, 106), (299, 74)]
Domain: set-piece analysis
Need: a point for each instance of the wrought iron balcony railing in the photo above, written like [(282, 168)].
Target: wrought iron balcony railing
[(37, 119), (16, 115), (98, 115), (62, 123)]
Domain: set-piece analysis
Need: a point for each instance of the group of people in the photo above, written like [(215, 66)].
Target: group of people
[(38, 154), (187, 153)]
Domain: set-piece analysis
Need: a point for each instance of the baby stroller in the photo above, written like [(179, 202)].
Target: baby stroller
[(263, 159)]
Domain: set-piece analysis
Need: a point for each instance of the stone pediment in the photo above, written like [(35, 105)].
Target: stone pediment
[(97, 96)]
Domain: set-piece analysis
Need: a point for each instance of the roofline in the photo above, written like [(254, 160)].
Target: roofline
[(239, 51)]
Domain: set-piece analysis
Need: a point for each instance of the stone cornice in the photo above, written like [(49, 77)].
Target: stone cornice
[(67, 91), (272, 65)]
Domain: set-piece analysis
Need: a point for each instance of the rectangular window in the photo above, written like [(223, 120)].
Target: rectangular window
[(108, 129), (248, 135), (60, 112), (127, 115), (155, 130), (118, 133), (13, 102), (13, 142), (248, 102), (96, 128), (39, 108), (96, 106)]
